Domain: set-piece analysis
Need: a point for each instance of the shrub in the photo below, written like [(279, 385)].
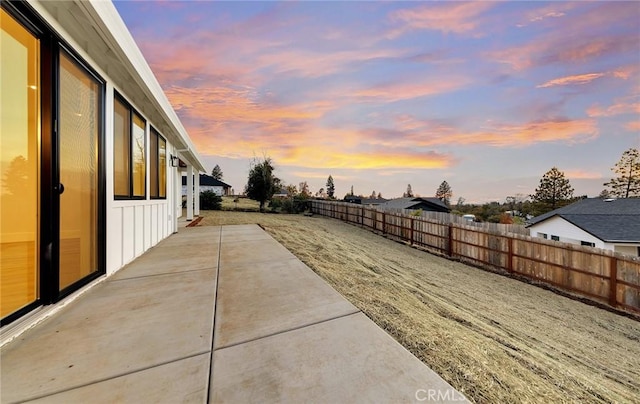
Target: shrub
[(296, 204), (209, 200)]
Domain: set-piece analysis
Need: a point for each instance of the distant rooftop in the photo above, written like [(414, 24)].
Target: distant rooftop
[(416, 203), (607, 219), (208, 180)]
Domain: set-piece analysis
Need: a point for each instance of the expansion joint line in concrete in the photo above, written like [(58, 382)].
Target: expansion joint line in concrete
[(326, 320), (215, 308), (104, 379)]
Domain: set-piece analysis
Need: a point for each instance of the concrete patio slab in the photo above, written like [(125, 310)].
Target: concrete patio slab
[(233, 234), (120, 327), (204, 258), (345, 360), (256, 300), (182, 381), (253, 252)]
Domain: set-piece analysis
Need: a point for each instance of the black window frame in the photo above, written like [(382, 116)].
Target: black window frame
[(132, 111), (154, 189)]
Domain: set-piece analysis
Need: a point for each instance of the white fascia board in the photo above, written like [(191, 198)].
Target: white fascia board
[(112, 28)]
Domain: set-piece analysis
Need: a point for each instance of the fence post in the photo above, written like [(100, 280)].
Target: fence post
[(450, 242), (613, 282), (383, 223), (411, 241), (510, 263)]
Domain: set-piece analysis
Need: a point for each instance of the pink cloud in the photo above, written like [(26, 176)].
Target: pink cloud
[(572, 80), (391, 92), (633, 126), (452, 17), (555, 10), (582, 174), (435, 133), (311, 64), (627, 105), (590, 38)]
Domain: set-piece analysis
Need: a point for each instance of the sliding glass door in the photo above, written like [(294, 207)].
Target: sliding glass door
[(51, 166), (79, 131), (19, 166)]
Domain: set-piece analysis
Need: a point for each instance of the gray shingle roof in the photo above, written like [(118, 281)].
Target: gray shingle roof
[(412, 203), (208, 181), (613, 220)]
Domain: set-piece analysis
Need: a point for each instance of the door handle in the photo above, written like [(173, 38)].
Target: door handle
[(59, 188)]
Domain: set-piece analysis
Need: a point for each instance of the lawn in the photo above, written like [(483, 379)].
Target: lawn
[(239, 203), (493, 338)]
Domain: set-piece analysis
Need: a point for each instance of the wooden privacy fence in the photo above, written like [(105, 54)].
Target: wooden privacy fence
[(600, 275)]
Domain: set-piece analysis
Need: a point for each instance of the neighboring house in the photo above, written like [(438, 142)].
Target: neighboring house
[(426, 204), (280, 194), (612, 224), (208, 183), (92, 152), (364, 201)]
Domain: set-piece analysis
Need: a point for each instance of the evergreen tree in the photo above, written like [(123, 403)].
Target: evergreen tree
[(331, 189), (627, 182), (444, 192), (261, 184), (554, 190), (379, 195), (409, 193), (217, 173)]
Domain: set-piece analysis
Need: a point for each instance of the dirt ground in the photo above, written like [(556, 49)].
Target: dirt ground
[(493, 338)]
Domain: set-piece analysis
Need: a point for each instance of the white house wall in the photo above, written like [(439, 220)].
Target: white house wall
[(218, 190), (629, 249), (132, 226), (568, 233)]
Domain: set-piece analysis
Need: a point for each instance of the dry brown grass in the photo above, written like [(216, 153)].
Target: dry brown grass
[(244, 204), (493, 338)]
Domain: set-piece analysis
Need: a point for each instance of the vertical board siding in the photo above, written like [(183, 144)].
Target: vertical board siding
[(135, 229), (600, 275)]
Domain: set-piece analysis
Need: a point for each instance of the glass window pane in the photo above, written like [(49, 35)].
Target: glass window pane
[(19, 165), (139, 161), (78, 152), (153, 163), (162, 163), (121, 149)]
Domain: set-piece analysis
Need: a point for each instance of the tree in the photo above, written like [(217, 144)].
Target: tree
[(261, 184), (444, 192), (554, 189), (409, 193), (373, 195), (304, 189), (16, 176), (331, 188), (379, 195), (291, 190), (217, 173), (627, 169)]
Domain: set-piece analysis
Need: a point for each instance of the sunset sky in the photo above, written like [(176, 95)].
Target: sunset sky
[(487, 96)]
